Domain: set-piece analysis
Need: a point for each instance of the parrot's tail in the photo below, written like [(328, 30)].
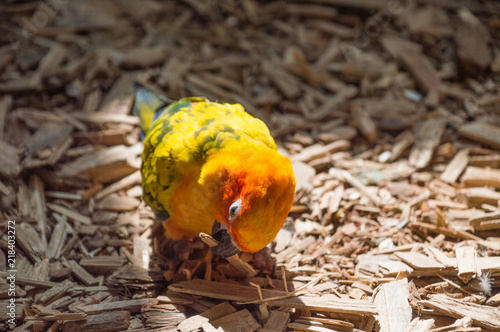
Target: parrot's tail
[(147, 107)]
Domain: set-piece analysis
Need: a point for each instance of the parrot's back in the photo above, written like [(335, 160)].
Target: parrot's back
[(178, 138)]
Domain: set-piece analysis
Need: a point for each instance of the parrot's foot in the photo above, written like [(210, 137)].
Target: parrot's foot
[(226, 247)]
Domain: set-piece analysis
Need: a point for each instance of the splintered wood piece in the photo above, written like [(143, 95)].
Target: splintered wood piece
[(120, 98), (361, 187), (37, 191), (456, 166), (478, 177), (48, 65), (488, 221), (440, 256), (489, 264), (337, 325), (277, 320), (296, 62), (10, 163), (141, 251), (5, 105), (492, 161), (59, 316), (467, 263), (107, 117), (332, 104), (481, 315), (426, 142), (364, 123), (420, 325), (394, 45), (30, 281), (86, 278), (332, 28), (102, 265), (4, 189), (118, 203), (284, 81), (106, 165), (107, 321), (58, 238), (421, 68), (304, 174), (393, 268), (477, 196), (240, 321), (231, 292), (108, 137), (29, 241), (392, 302), (300, 325), (128, 181), (403, 142), (197, 321), (335, 200), (144, 57), (359, 4), (132, 306), (48, 136), (482, 132), (295, 249), (73, 215), (420, 262), (165, 315), (430, 20), (472, 39), (318, 151), (55, 292)]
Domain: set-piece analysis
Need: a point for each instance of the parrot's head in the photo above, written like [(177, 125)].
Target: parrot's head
[(255, 186)]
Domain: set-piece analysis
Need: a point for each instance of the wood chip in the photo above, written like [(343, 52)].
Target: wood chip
[(240, 321), (10, 164), (466, 260), (420, 262), (483, 316), (481, 132), (478, 177), (72, 215), (488, 221), (108, 321), (426, 142), (197, 321), (424, 72), (391, 300), (456, 167), (472, 35), (86, 278), (132, 306), (245, 294)]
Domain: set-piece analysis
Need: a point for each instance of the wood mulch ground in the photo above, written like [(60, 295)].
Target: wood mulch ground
[(389, 110)]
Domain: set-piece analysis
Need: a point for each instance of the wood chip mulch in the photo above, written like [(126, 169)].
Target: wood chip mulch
[(389, 110)]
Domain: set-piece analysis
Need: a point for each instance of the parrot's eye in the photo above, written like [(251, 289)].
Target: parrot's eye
[(234, 209)]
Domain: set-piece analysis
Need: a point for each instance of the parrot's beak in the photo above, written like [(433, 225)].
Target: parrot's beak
[(226, 247)]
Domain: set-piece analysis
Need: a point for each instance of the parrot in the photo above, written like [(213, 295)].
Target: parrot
[(210, 167)]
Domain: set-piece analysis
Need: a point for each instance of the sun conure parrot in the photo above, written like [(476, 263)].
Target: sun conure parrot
[(212, 168)]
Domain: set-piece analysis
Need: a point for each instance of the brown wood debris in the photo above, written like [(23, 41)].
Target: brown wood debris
[(389, 112)]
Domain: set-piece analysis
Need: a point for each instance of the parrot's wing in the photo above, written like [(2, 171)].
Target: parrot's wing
[(165, 153)]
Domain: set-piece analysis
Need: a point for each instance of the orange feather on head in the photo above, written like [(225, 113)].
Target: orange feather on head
[(260, 183)]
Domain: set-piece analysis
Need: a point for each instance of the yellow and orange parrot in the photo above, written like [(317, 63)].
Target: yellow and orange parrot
[(212, 168)]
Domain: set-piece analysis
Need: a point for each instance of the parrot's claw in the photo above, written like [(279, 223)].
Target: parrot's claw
[(226, 247)]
